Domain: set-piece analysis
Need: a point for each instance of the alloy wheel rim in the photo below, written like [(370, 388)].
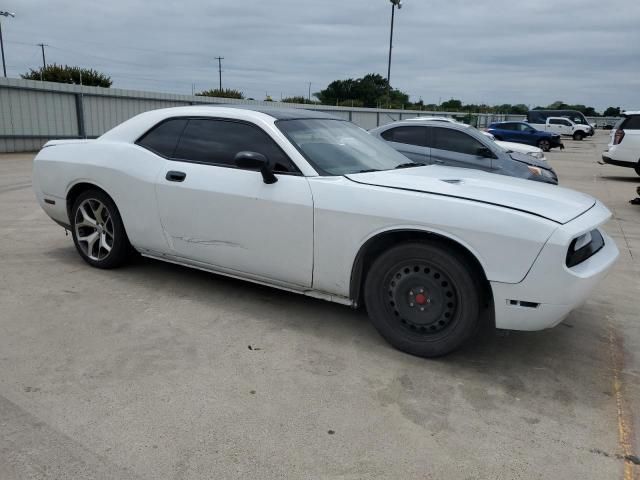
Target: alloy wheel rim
[(94, 229), (422, 298)]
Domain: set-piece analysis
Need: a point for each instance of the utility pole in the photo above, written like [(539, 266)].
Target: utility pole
[(220, 71), (394, 4), (6, 15), (44, 61)]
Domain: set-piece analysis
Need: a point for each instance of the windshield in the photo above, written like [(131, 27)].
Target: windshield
[(338, 147)]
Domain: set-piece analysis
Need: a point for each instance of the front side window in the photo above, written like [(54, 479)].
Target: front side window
[(523, 127), (407, 135), (455, 141), (553, 121), (163, 138), (338, 147), (218, 141)]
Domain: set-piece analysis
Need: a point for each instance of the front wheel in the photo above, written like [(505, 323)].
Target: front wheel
[(578, 136), (98, 231), (423, 299), (544, 145)]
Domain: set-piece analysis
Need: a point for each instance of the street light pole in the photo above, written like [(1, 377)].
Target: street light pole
[(394, 4), (4, 65)]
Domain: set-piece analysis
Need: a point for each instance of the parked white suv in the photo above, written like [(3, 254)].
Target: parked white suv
[(624, 148), (564, 126)]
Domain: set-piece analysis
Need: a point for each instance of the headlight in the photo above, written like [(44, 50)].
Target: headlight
[(583, 247), (538, 155), (537, 171)]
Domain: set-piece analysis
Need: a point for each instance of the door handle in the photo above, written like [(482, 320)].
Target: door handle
[(174, 176)]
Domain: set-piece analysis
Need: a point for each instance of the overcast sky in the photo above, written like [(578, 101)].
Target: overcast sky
[(494, 51)]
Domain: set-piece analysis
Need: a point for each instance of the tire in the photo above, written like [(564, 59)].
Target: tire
[(423, 299), (637, 169), (579, 136), (97, 230), (545, 145)]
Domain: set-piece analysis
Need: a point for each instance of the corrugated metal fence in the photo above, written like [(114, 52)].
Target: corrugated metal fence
[(32, 112)]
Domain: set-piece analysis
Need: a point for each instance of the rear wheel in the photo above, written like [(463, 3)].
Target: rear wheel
[(578, 136), (545, 145), (423, 299), (98, 231)]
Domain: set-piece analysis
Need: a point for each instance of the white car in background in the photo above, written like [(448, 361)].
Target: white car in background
[(508, 146), (624, 145), (312, 204)]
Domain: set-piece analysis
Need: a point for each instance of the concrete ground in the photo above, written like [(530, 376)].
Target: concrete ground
[(157, 371)]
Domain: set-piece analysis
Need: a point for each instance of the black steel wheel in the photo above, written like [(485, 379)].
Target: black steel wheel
[(423, 298)]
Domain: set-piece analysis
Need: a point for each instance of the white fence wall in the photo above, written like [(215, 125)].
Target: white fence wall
[(32, 112)]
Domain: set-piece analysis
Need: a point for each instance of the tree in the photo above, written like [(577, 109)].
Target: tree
[(451, 105), (67, 74), (612, 112), (368, 91), (224, 93)]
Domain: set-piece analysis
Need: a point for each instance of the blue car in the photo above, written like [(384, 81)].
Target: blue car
[(522, 132)]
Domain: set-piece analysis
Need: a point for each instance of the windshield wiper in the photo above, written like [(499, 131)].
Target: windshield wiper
[(368, 170), (410, 165)]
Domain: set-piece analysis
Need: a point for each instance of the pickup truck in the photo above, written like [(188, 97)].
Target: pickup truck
[(564, 126)]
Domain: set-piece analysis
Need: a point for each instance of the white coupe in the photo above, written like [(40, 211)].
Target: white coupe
[(313, 204)]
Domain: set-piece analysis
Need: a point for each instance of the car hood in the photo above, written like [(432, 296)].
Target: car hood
[(518, 147), (530, 160), (555, 203)]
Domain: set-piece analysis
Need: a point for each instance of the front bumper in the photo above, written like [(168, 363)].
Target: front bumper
[(551, 290)]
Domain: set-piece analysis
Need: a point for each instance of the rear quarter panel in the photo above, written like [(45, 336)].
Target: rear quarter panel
[(125, 171)]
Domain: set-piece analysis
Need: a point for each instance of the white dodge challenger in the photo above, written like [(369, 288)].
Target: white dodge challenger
[(313, 204)]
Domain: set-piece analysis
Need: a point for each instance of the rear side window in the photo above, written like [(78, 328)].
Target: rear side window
[(163, 138), (218, 141), (505, 126), (553, 121), (408, 135), (632, 123), (455, 141)]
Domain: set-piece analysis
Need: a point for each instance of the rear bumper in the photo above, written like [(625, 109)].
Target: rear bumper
[(551, 290), (619, 163)]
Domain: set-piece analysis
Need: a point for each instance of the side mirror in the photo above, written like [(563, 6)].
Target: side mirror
[(256, 161), (484, 152)]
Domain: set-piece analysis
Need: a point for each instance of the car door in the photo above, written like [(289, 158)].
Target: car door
[(526, 134), (456, 148), (225, 217), (411, 141), (566, 127), (507, 132)]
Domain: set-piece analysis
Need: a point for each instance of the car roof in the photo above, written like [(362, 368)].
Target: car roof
[(632, 112), (415, 122), (281, 113)]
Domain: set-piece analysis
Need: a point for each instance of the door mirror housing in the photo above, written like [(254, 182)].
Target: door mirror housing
[(256, 161), (484, 152)]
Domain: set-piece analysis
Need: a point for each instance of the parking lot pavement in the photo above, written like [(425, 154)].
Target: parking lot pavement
[(157, 371)]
